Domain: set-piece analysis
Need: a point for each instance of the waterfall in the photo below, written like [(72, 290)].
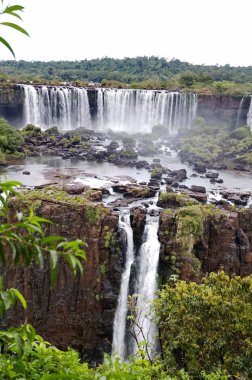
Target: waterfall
[(139, 110), (239, 112), (147, 284), (118, 109), (65, 107), (249, 115), (119, 332), (148, 259)]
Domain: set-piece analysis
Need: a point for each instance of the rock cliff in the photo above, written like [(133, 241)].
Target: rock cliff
[(225, 241), (77, 312)]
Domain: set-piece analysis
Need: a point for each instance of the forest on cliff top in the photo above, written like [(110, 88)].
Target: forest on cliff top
[(139, 72)]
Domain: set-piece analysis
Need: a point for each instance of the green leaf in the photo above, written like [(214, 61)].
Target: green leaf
[(5, 43), (15, 26), (12, 8), (52, 239), (19, 296)]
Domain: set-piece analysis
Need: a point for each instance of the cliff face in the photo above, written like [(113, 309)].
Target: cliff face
[(226, 243), (12, 104), (77, 312), (232, 110)]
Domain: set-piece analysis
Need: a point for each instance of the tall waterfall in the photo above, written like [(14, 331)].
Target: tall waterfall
[(119, 344), (148, 259), (139, 110), (65, 107), (249, 115), (239, 112), (147, 284)]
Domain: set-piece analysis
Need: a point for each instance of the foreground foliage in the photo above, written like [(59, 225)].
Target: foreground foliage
[(207, 327)]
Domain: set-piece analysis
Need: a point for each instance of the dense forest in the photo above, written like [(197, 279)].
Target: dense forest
[(141, 72)]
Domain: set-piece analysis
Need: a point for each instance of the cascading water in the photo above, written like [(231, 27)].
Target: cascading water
[(65, 107), (249, 115), (139, 110), (118, 109), (119, 332), (148, 259), (146, 329), (239, 112)]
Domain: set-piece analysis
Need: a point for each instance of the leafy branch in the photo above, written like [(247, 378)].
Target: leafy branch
[(23, 242), (14, 11)]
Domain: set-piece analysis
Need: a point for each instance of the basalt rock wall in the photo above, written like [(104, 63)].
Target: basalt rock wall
[(76, 312), (226, 243), (12, 104), (232, 110)]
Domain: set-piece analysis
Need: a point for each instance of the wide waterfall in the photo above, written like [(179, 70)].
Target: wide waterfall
[(119, 344), (147, 264), (65, 107), (139, 110), (118, 109)]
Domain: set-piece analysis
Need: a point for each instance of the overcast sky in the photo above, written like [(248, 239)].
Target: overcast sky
[(197, 31)]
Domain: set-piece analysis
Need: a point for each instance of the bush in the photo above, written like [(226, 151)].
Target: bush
[(205, 327), (10, 137)]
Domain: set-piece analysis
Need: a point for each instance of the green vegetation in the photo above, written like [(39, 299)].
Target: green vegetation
[(172, 199), (140, 72), (156, 173), (205, 143), (207, 327), (10, 141)]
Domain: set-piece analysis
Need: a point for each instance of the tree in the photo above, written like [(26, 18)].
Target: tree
[(14, 11), (206, 327)]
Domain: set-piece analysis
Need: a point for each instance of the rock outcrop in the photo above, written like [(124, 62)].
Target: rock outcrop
[(77, 312), (225, 242)]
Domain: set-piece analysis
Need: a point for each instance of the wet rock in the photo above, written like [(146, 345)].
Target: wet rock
[(241, 168), (199, 168), (138, 221), (212, 175), (216, 180), (26, 172), (198, 189), (153, 212), (75, 188), (178, 175)]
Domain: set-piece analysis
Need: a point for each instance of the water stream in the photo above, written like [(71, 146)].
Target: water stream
[(119, 332)]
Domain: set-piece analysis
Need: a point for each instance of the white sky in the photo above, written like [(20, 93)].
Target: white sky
[(197, 31)]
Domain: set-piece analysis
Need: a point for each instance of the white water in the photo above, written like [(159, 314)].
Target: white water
[(249, 115), (239, 112), (118, 109), (65, 107), (119, 332), (139, 110), (147, 285)]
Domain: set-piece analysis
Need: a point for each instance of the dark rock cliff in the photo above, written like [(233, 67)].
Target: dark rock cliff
[(226, 243), (12, 104), (77, 312), (231, 110)]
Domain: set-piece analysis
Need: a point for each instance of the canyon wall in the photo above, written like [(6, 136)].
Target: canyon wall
[(226, 243), (76, 312)]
